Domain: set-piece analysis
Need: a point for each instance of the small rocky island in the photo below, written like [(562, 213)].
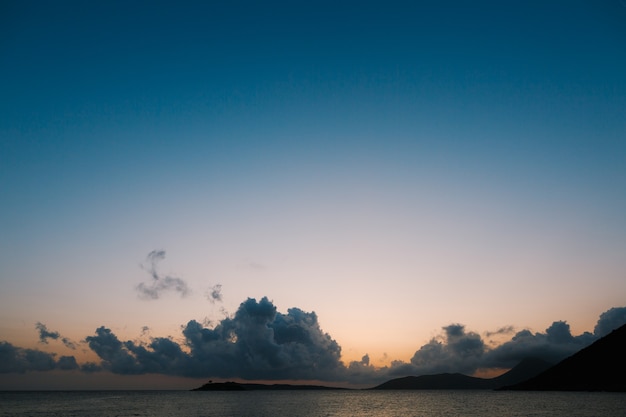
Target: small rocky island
[(236, 386)]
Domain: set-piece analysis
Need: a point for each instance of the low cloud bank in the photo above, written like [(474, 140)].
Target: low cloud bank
[(257, 343), (260, 343), (14, 359), (459, 350)]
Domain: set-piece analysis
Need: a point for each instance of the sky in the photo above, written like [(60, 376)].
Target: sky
[(341, 192)]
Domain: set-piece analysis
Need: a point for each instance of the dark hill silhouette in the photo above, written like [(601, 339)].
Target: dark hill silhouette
[(527, 368), (600, 366), (438, 381)]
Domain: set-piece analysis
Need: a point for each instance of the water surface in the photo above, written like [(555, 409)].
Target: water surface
[(311, 404)]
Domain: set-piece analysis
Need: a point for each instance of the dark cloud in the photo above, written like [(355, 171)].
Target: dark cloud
[(159, 283), (114, 354), (260, 343), (67, 363), (459, 351), (609, 321), (68, 343), (214, 294), (15, 359), (456, 350), (361, 370), (45, 334), (257, 343), (554, 345), (90, 367)]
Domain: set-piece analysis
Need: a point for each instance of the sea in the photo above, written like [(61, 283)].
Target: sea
[(342, 403)]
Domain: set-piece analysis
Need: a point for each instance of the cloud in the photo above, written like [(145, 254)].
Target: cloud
[(67, 363), (610, 320), (14, 359), (256, 266), (459, 350), (214, 294), (68, 343), (554, 345), (456, 350), (256, 343), (501, 331), (111, 350), (361, 371), (90, 367), (45, 334), (260, 343), (159, 283)]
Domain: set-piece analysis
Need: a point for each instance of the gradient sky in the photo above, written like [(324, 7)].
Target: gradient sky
[(394, 167)]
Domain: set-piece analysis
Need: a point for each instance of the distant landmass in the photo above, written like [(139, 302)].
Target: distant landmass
[(236, 386), (523, 371), (526, 369), (600, 366)]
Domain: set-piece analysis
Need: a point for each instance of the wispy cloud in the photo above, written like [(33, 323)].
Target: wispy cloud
[(501, 331), (45, 334), (214, 294), (159, 283), (256, 266)]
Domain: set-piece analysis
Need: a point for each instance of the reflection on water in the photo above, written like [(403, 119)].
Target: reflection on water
[(312, 403)]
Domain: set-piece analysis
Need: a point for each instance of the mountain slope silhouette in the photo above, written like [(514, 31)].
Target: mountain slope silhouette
[(527, 368), (600, 366)]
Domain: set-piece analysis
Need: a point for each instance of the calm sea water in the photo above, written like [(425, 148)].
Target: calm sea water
[(311, 403)]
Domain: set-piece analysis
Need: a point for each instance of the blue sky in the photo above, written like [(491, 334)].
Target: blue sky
[(394, 167)]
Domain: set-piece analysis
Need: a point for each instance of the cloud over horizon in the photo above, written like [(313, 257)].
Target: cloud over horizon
[(260, 343), (14, 359)]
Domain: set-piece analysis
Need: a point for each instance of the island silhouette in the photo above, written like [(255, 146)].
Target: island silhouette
[(600, 366)]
